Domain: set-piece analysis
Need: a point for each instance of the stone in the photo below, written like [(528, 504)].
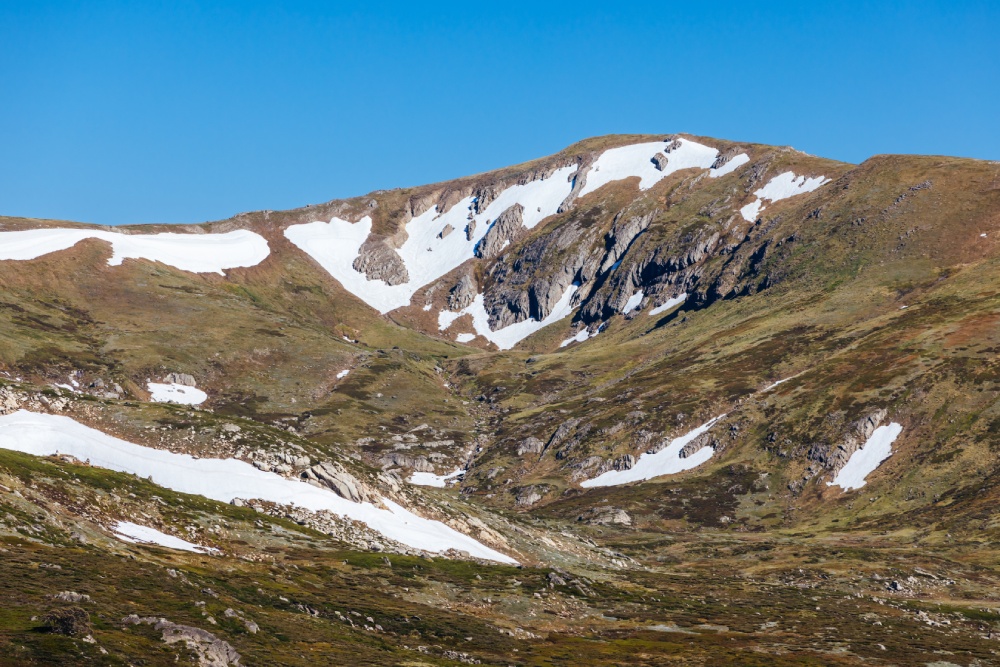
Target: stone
[(660, 160), (530, 445), (378, 261), (448, 229)]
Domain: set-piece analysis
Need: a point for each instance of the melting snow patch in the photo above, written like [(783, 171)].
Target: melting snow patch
[(667, 461), (863, 461), (430, 479), (176, 393), (633, 302), (133, 532), (615, 164), (197, 253), (509, 336), (224, 480), (780, 187), (342, 374), (731, 166), (668, 304), (465, 337), (580, 336)]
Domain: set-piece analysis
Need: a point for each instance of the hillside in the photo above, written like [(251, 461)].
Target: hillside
[(664, 397)]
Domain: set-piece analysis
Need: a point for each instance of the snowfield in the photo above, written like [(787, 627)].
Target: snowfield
[(224, 480), (430, 479), (134, 533), (509, 336), (667, 461), (175, 393), (633, 302), (780, 187), (437, 243), (865, 460), (197, 253)]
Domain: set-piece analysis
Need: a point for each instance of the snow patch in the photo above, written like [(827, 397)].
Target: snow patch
[(668, 304), (667, 461), (134, 533), (175, 393), (616, 164), (863, 461), (780, 187), (731, 166), (430, 479), (197, 253), (342, 374), (465, 337), (509, 336), (223, 480), (581, 335), (633, 302)]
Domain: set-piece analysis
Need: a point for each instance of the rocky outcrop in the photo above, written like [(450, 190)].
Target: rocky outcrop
[(462, 294), (341, 482), (724, 157), (209, 649), (605, 516), (696, 445), (623, 232), (660, 160), (378, 261), (508, 227), (445, 232), (418, 463), (834, 458), (179, 378), (530, 445), (528, 283)]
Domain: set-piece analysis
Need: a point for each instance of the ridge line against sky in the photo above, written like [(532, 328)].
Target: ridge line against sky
[(186, 112)]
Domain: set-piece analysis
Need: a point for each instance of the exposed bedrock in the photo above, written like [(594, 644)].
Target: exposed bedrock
[(378, 261)]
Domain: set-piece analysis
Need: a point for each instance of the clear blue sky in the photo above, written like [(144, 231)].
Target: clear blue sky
[(124, 112)]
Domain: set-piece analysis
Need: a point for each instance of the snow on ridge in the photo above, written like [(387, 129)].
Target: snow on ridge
[(196, 253), (175, 393), (668, 304), (509, 336), (667, 461), (430, 479), (136, 534), (780, 187), (224, 480), (867, 458), (735, 163), (634, 160), (429, 254)]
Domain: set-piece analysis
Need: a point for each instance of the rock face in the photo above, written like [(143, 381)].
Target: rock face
[(724, 157), (508, 227), (180, 378), (462, 294), (210, 650), (623, 232), (418, 463), (378, 261)]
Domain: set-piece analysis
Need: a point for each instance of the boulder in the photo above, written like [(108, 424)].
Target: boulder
[(180, 378), (378, 261)]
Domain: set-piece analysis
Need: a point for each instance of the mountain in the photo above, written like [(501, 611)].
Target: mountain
[(669, 399)]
